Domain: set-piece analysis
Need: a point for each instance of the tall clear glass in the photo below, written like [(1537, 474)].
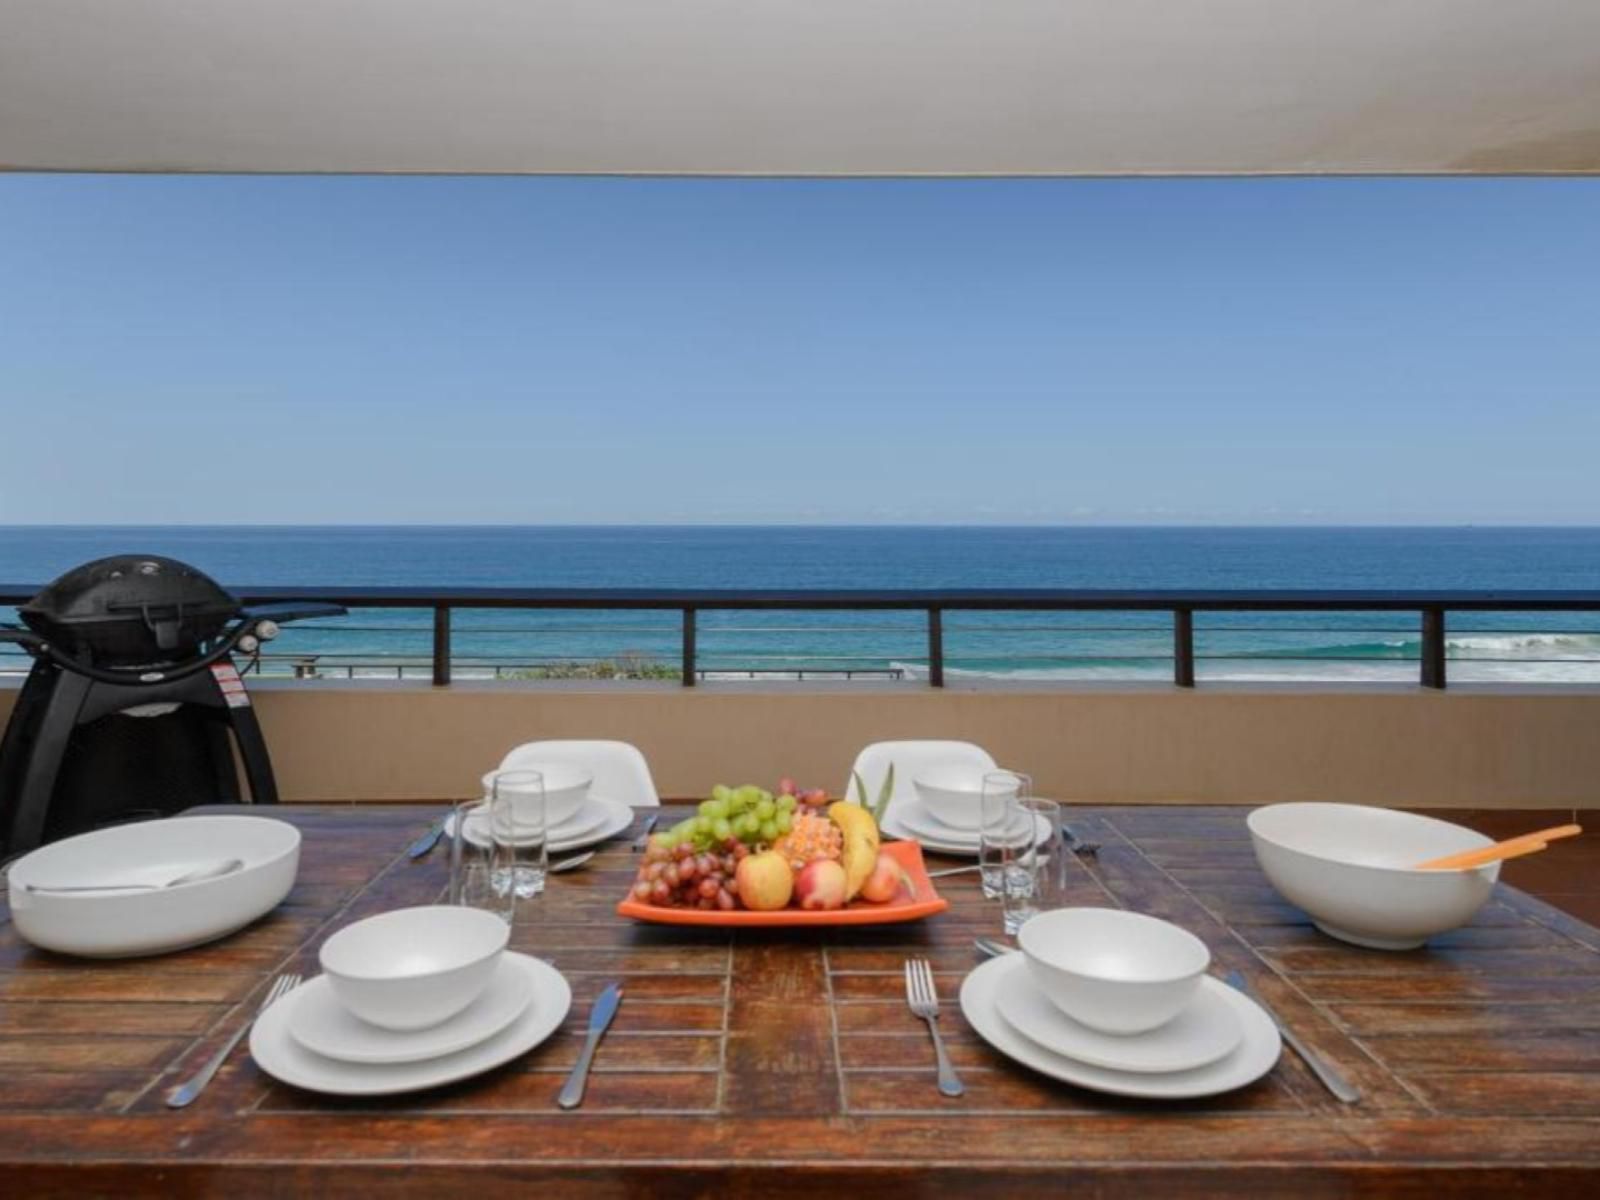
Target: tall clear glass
[(477, 859), (517, 814), (1036, 867), (999, 825)]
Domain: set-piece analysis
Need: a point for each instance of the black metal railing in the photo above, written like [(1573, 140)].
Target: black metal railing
[(1431, 608)]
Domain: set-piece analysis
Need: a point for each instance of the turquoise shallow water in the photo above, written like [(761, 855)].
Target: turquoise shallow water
[(1086, 646)]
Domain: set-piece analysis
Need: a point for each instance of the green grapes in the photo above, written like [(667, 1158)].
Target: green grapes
[(749, 813)]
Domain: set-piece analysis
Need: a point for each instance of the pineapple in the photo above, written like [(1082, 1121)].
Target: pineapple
[(813, 836)]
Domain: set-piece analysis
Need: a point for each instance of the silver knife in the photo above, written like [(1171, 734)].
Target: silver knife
[(1332, 1078), (643, 840), (605, 1007), (1076, 844), (428, 840)]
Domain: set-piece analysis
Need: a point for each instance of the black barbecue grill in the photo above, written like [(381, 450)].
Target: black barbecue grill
[(133, 707)]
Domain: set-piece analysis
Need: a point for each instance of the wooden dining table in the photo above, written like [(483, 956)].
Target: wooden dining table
[(781, 1063)]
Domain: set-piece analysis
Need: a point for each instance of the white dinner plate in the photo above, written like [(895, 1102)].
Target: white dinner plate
[(908, 819), (478, 827), (1258, 1049), (927, 818), (617, 817), (590, 815), (278, 1054), (1203, 1032), (892, 826), (321, 1024)]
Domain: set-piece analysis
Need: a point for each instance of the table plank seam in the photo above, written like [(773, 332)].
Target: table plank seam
[(842, 1093)]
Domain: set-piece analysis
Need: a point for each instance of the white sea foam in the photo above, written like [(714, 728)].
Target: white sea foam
[(1267, 670), (1535, 644)]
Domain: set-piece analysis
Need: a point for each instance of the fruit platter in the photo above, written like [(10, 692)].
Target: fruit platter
[(749, 856)]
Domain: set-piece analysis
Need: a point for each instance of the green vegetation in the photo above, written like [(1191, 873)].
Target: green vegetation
[(624, 666)]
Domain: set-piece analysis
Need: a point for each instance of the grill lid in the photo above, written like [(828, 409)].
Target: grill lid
[(130, 607)]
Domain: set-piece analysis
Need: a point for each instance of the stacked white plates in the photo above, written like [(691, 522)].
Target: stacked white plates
[(309, 1040), (595, 820), (1161, 1027), (1174, 1062), (371, 1024), (909, 818)]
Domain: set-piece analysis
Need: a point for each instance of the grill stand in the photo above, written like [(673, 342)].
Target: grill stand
[(54, 703)]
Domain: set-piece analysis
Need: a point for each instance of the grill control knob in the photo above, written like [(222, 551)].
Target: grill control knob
[(266, 630), (249, 643)]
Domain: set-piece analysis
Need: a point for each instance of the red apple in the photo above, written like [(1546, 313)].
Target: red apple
[(884, 882), (821, 885), (765, 881)]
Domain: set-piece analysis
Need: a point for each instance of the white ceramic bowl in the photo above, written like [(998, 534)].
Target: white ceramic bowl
[(566, 787), (414, 967), (1351, 868), (1115, 971), (125, 924), (953, 794)]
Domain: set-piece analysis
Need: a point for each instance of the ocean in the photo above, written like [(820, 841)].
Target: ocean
[(1088, 646)]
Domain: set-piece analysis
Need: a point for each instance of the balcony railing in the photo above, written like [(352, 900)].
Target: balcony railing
[(1433, 612)]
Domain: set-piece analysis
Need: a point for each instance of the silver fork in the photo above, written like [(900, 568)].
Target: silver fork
[(185, 1093), (924, 1002)]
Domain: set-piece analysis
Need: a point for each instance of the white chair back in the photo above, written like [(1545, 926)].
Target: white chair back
[(620, 771), (910, 759)]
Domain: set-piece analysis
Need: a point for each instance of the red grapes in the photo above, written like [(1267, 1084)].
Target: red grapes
[(681, 878)]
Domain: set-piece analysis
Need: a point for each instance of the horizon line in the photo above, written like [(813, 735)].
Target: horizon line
[(846, 525)]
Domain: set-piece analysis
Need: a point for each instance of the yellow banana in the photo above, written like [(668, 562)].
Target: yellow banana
[(860, 852)]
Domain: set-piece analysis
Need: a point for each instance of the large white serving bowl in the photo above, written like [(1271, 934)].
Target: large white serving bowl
[(1115, 971), (414, 967), (566, 787), (128, 923), (1351, 868), (953, 794)]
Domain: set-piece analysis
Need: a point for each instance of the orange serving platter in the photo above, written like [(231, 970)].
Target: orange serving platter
[(924, 901)]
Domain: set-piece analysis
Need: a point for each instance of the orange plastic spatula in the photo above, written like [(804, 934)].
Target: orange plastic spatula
[(1528, 843)]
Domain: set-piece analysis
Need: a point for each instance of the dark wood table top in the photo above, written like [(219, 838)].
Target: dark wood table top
[(777, 1062)]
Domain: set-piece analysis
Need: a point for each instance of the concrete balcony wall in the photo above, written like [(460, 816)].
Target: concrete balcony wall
[(1465, 747)]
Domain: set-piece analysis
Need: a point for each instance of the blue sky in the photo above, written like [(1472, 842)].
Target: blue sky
[(416, 350)]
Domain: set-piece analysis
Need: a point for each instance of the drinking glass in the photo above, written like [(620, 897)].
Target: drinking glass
[(477, 859), (1037, 866), (999, 825), (517, 814)]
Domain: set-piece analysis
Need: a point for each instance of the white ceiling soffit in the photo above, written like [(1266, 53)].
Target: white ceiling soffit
[(805, 87)]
